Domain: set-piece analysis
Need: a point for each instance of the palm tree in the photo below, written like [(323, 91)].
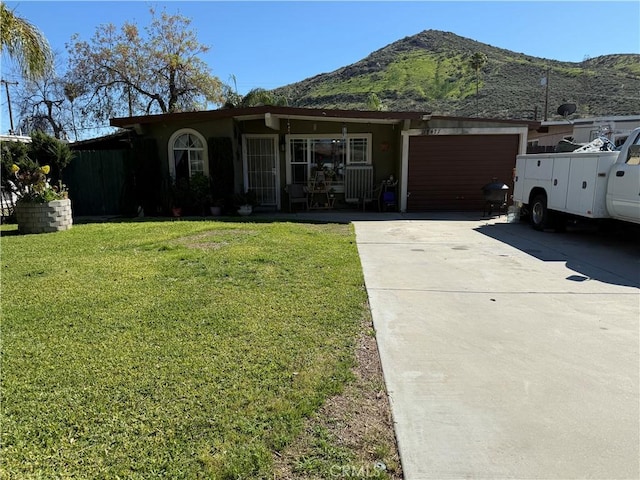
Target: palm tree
[(253, 98), (259, 96), (478, 60), (25, 44)]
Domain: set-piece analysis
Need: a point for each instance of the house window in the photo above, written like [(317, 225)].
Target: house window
[(308, 153), (358, 151), (187, 154)]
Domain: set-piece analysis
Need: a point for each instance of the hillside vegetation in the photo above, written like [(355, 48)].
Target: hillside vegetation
[(431, 72)]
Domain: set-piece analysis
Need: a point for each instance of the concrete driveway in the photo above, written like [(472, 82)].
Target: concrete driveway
[(507, 353)]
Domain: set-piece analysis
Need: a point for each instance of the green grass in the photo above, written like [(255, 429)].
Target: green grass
[(426, 75), (627, 66), (171, 349)]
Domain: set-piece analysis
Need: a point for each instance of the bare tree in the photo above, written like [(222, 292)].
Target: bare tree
[(44, 112), (43, 106), (126, 73)]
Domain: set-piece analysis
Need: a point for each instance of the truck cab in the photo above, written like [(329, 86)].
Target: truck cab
[(623, 186)]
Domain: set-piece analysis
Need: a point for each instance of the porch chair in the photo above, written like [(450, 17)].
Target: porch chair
[(358, 185), (297, 194)]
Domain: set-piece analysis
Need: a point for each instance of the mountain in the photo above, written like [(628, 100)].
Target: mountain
[(431, 72)]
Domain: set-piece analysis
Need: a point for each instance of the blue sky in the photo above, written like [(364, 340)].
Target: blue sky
[(270, 44)]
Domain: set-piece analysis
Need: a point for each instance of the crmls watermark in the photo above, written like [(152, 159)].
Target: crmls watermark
[(359, 471)]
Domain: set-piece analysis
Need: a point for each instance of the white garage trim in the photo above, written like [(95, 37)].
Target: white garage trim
[(404, 171)]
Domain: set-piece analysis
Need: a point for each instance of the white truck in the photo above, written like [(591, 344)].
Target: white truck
[(554, 187)]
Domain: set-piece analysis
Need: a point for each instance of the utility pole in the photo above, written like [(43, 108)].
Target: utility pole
[(546, 94), (6, 85)]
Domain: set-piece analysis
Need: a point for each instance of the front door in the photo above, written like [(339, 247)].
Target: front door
[(261, 168)]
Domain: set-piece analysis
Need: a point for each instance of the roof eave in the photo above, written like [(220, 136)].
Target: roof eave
[(274, 112)]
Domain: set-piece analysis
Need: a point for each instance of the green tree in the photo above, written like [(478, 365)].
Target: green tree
[(126, 73), (48, 150), (374, 103), (25, 44)]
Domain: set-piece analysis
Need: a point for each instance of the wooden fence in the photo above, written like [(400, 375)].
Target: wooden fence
[(100, 182)]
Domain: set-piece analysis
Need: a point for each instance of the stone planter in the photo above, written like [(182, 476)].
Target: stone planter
[(44, 217)]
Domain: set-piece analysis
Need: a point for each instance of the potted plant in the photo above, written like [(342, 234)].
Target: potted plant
[(31, 176), (215, 206), (179, 196), (332, 197), (325, 169), (40, 206), (245, 202), (200, 191)]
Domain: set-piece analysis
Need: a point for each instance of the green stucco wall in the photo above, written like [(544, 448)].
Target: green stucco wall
[(385, 148)]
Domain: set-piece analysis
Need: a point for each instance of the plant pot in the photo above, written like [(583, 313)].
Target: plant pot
[(46, 217), (245, 210), (216, 211)]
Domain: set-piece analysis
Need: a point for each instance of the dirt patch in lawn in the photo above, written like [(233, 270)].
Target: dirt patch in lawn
[(213, 239), (352, 434)]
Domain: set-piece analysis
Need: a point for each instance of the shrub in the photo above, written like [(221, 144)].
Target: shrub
[(32, 185), (27, 168)]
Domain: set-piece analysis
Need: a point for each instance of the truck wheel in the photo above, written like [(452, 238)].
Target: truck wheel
[(539, 213)]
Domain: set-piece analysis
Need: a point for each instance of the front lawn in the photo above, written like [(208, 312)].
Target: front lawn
[(171, 349)]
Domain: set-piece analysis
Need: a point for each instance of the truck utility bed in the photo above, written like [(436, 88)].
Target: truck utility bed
[(575, 183)]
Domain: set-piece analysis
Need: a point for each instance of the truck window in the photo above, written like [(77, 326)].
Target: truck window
[(633, 158), (620, 141)]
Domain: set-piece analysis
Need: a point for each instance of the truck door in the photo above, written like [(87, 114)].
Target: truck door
[(623, 188)]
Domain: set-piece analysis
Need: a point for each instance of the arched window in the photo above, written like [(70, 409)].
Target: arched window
[(187, 154)]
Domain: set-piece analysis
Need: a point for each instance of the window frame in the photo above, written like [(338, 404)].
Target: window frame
[(310, 137), (632, 153), (171, 149)]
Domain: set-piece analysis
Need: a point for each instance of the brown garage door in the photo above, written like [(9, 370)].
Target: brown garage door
[(447, 172)]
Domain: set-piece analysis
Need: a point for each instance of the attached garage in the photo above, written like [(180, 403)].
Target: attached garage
[(447, 172), (446, 163)]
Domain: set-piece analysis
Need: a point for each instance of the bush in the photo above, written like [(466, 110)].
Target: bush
[(32, 184), (28, 157), (192, 194)]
